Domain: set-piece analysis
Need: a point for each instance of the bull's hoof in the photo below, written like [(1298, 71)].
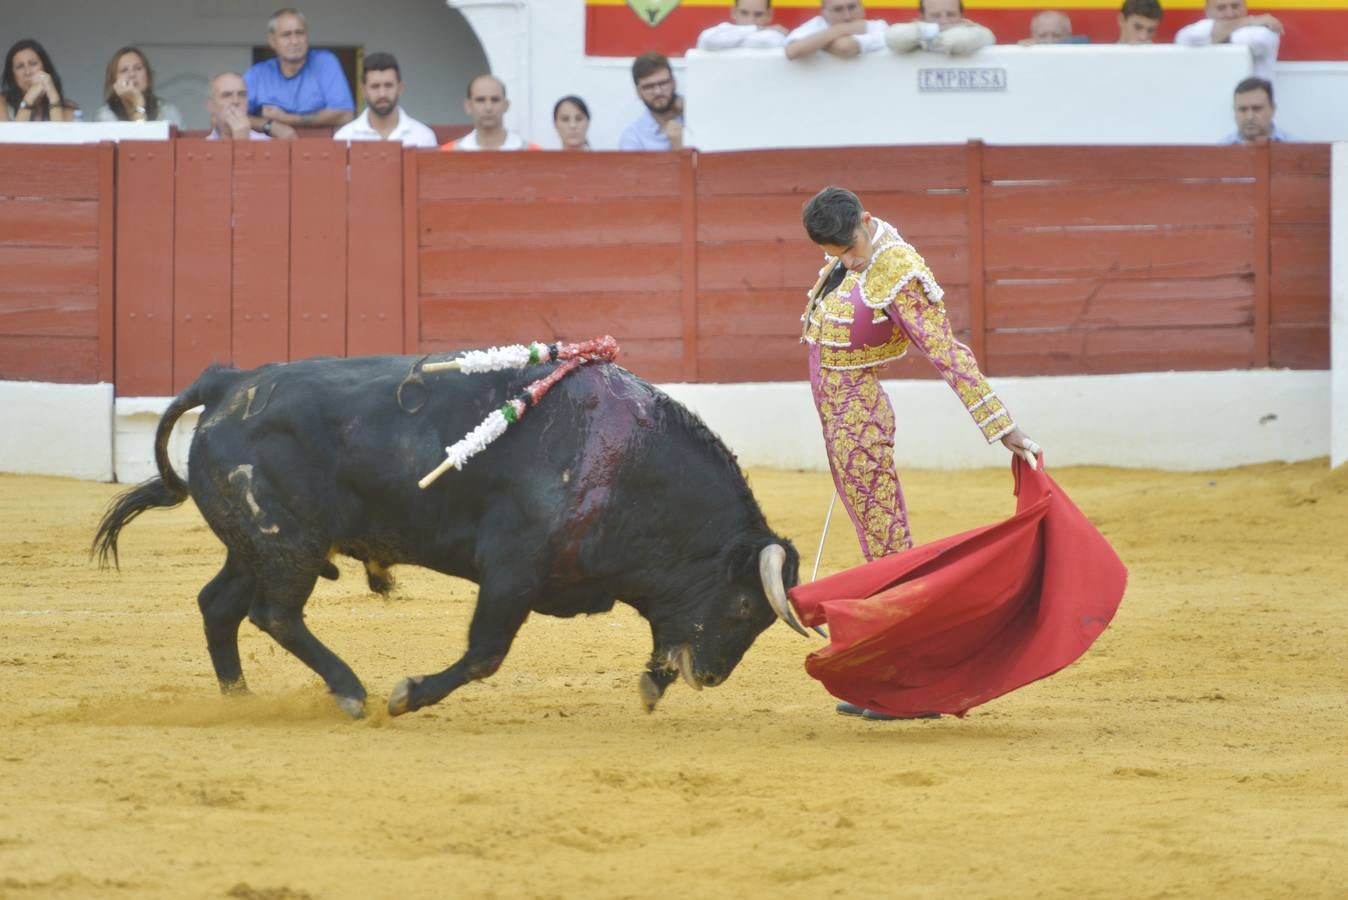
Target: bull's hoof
[(352, 706), (650, 691), (400, 701)]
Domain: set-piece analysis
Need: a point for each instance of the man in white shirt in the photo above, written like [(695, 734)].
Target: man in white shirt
[(750, 25), (486, 105), (384, 119), (1230, 22), (841, 28), (941, 28)]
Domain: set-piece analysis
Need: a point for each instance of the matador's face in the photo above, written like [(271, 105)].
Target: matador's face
[(857, 255)]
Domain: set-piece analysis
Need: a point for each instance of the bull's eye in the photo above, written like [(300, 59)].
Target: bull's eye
[(743, 609)]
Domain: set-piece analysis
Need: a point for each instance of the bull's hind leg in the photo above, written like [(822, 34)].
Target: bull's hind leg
[(224, 602), (278, 609), (501, 610)]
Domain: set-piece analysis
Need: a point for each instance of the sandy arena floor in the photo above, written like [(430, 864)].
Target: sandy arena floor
[(1196, 751)]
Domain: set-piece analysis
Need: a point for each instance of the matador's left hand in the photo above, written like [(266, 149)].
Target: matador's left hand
[(1019, 443)]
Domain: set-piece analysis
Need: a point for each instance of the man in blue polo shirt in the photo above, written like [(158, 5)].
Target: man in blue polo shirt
[(298, 86)]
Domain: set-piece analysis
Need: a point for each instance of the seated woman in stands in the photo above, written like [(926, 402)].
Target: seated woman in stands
[(31, 87), (128, 91), (571, 118)]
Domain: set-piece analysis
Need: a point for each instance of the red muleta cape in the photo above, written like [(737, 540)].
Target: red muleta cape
[(946, 626)]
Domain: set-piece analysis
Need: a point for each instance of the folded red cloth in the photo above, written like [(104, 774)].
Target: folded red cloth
[(952, 624)]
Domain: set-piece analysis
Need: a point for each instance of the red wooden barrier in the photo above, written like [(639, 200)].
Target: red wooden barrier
[(515, 247), (55, 295), (374, 276), (318, 248), (202, 240), (1055, 260), (145, 256), (1119, 259), (1299, 256), (261, 265)]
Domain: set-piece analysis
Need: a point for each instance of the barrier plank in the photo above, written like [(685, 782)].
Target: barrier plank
[(1300, 264), (749, 217), (411, 263), (1104, 303), (1144, 253), (49, 314), (795, 265), (1104, 203), (486, 223), (1299, 346), (1118, 350), (374, 261), (107, 229), (1116, 163), (201, 250), (805, 172), (495, 318), (65, 360), (641, 269), (144, 276), (40, 270), (44, 222), (51, 171), (318, 250), (515, 176), (261, 263)]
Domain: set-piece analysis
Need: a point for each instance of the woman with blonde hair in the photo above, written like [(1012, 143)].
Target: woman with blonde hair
[(128, 91)]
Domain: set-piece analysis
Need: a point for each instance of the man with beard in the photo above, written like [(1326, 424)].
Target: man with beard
[(298, 87), (384, 119), (486, 105), (660, 127)]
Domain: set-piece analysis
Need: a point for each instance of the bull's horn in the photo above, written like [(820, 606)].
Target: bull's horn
[(684, 661), (770, 561)]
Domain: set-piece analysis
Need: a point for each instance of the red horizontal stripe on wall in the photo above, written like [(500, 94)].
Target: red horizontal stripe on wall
[(1311, 34)]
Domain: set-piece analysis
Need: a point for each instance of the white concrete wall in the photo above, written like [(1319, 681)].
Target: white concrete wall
[(1173, 420), (1157, 94), (56, 429), (1338, 327), (743, 99)]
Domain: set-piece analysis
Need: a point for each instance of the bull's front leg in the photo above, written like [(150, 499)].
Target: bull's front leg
[(654, 680), (501, 609)]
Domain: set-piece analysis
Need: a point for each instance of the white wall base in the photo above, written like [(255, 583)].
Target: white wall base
[(56, 429), (1171, 420), (137, 418)]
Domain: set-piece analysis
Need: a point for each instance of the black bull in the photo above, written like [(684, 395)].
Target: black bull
[(608, 490)]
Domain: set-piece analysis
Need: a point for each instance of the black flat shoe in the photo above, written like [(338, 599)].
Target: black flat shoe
[(851, 709)]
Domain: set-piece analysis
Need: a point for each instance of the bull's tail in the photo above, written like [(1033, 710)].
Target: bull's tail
[(167, 489)]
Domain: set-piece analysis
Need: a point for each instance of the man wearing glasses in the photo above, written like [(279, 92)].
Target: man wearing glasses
[(660, 127)]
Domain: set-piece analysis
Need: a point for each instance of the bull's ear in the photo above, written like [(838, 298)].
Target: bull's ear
[(742, 564)]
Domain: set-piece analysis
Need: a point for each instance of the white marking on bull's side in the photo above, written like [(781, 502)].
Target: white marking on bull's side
[(566, 476), (243, 475)]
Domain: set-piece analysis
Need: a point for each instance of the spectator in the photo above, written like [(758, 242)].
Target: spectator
[(298, 86), (1049, 27), (1138, 21), (1229, 22), (1254, 114), (486, 106), (227, 103), (32, 88), (128, 92), (384, 118), (941, 28), (571, 118), (841, 28), (660, 127), (750, 25)]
